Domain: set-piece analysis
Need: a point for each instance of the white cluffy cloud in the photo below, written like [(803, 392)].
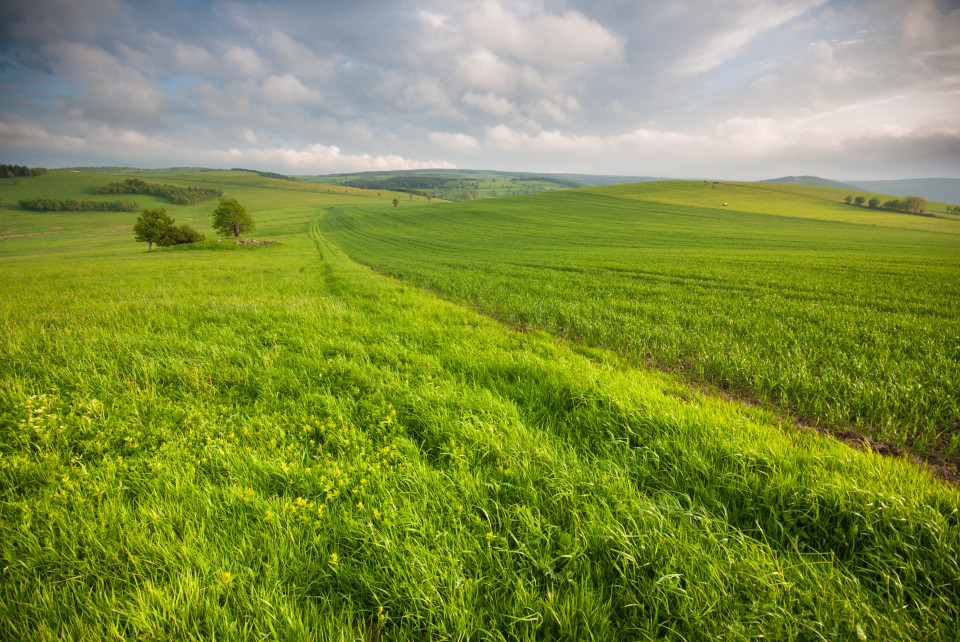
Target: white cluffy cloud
[(534, 35), (747, 88)]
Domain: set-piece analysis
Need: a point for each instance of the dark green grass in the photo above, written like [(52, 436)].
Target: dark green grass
[(840, 323), (279, 444)]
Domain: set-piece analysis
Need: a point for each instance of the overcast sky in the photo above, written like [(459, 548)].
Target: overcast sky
[(743, 89)]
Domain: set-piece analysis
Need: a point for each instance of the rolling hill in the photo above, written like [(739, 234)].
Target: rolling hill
[(278, 442), (935, 189)]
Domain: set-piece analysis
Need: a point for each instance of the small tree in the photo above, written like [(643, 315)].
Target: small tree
[(231, 217), (152, 226), (915, 204), (874, 203), (848, 200), (396, 202), (860, 200), (180, 234)]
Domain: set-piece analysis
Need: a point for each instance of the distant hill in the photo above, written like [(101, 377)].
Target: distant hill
[(946, 190), (599, 180), (814, 181), (470, 184), (567, 180)]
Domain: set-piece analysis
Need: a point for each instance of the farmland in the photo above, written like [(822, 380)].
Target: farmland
[(823, 310), (277, 442)]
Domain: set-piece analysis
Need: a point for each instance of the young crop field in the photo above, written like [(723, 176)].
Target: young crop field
[(279, 443), (849, 323)]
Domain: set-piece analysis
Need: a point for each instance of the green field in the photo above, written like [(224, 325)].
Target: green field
[(279, 443), (844, 316)]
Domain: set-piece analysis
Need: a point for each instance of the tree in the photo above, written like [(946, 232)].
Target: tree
[(874, 203), (396, 202), (231, 217), (915, 204), (860, 200), (152, 226), (848, 200), (178, 235)]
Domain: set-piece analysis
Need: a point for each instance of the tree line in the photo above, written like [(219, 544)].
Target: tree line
[(76, 205), (11, 171), (265, 174), (909, 204), (173, 193)]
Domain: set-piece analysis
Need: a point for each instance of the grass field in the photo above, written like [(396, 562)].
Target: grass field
[(278, 443), (837, 316)]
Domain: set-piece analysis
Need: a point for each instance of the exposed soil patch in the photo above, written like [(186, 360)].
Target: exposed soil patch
[(254, 242), (17, 236)]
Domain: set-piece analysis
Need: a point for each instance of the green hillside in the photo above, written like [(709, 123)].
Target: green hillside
[(815, 181), (942, 189), (457, 184), (844, 316), (279, 443), (798, 201)]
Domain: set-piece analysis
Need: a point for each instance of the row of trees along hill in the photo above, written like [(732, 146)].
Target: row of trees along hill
[(12, 171), (76, 205), (156, 226), (173, 193), (910, 204)]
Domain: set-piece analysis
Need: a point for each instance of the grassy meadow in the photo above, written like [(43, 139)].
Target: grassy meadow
[(844, 316), (279, 443)]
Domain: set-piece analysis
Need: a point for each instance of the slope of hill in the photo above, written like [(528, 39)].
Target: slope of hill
[(279, 443), (468, 184), (946, 190), (784, 294), (800, 201), (814, 181)]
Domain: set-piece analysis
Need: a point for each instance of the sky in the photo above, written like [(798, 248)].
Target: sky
[(728, 89)]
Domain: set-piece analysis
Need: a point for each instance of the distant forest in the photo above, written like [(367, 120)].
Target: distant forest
[(11, 171), (452, 189), (173, 193), (76, 205), (265, 174)]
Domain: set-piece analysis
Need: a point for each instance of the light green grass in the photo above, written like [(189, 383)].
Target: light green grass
[(280, 444), (800, 201), (840, 323), (24, 233)]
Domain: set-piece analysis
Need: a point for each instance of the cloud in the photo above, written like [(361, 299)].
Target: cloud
[(132, 146), (733, 147), (64, 20), (456, 143), (722, 35), (427, 93), (243, 62), (619, 87), (288, 90), (483, 69), (321, 158), (294, 56), (19, 133), (490, 103), (542, 38), (109, 90), (749, 136)]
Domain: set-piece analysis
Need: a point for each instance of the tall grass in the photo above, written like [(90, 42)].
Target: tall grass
[(843, 324), (278, 443)]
